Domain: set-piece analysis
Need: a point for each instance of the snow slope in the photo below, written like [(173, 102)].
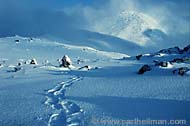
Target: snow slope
[(95, 40), (108, 89)]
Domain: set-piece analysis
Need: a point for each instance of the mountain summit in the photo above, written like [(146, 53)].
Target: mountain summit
[(129, 25)]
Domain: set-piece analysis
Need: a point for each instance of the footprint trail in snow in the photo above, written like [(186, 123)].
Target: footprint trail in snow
[(67, 113)]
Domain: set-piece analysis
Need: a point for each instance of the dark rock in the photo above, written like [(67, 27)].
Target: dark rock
[(17, 69), (163, 64), (33, 61), (181, 60), (144, 68), (177, 60), (96, 68), (14, 69), (85, 67), (138, 57), (174, 50), (17, 40), (19, 64), (186, 59), (181, 71), (156, 62), (186, 49), (80, 61)]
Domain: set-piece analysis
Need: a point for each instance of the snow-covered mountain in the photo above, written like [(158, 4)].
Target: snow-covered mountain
[(130, 25)]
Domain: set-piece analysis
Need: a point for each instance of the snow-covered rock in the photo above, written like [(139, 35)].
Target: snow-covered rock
[(65, 61), (181, 71)]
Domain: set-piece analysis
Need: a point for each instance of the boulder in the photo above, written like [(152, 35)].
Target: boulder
[(14, 69), (17, 40), (181, 71), (186, 49), (186, 60), (174, 50), (85, 67), (138, 57), (65, 61), (156, 62), (20, 64), (162, 64), (33, 61), (143, 69), (177, 60), (181, 60)]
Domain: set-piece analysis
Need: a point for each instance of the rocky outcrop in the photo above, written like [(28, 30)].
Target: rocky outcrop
[(144, 69), (181, 71)]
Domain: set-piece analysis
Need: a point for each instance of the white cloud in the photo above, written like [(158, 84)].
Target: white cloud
[(34, 17), (172, 16)]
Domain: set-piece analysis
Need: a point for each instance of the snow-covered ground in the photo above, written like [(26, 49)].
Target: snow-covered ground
[(100, 86)]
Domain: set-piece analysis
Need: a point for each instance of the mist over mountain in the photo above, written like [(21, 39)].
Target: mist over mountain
[(126, 19)]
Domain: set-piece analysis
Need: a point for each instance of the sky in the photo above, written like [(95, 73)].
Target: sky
[(38, 17)]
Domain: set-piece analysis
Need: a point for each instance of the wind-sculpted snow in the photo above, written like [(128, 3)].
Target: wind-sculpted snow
[(98, 86)]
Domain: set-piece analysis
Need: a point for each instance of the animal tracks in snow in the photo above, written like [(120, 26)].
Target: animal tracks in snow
[(67, 113)]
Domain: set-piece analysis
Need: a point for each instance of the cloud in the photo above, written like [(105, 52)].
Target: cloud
[(172, 16), (33, 18)]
